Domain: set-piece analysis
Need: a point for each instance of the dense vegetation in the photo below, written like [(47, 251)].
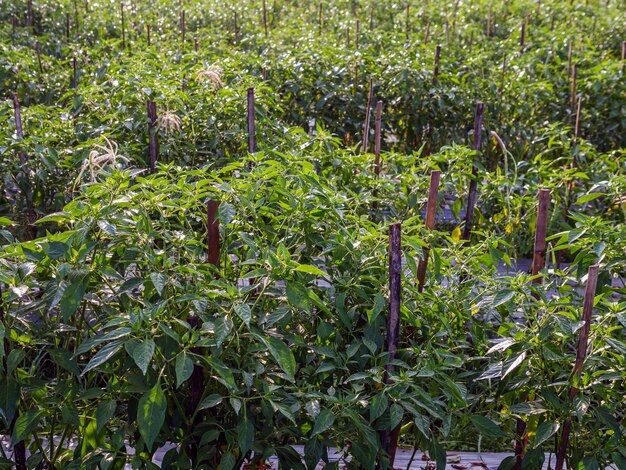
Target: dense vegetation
[(124, 328)]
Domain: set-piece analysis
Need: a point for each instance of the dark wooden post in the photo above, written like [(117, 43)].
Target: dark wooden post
[(76, 22), (75, 76), (148, 34), (153, 134), (581, 354), (213, 233), (123, 25), (436, 65), (29, 13), (390, 440), (377, 136), (427, 33), (471, 197), (366, 129), (356, 35), (17, 113), (251, 126), (539, 254), (67, 26), (569, 62), (265, 18), (38, 50), (182, 26), (502, 83), (431, 210), (522, 37), (196, 45), (408, 21), (572, 99)]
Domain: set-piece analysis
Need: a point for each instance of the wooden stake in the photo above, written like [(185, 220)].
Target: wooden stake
[(67, 26), (366, 128), (572, 100), (196, 46), (408, 21), (623, 55), (569, 63), (502, 83), (182, 26), (431, 209), (251, 127), (427, 33), (38, 49), (76, 23), (577, 126), (123, 26), (539, 254), (356, 36), (319, 18), (372, 17), (29, 13), (581, 354), (213, 233), (75, 76), (153, 135), (265, 17), (377, 136), (390, 442), (18, 123), (436, 66), (521, 37), (236, 29), (471, 197), (148, 34), (489, 22)]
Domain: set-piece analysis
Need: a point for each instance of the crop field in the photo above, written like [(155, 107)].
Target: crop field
[(242, 232)]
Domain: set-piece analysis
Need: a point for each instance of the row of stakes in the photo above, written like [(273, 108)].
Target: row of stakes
[(388, 439)]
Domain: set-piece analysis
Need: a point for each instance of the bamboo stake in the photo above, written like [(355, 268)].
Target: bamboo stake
[(366, 129), (123, 26), (372, 16), (436, 66), (213, 233), (75, 76), (17, 113), (539, 254), (38, 49), (251, 126), (502, 83), (489, 22), (569, 62), (390, 442), (29, 13), (377, 136), (471, 198), (572, 99), (427, 33), (265, 17), (521, 38), (408, 21), (623, 55), (431, 209), (153, 135), (182, 26), (577, 126), (236, 28), (356, 36), (67, 26), (581, 353)]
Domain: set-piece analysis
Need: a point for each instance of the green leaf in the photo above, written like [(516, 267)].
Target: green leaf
[(283, 356), (4, 222), (228, 461), (487, 426), (25, 425), (297, 296), (307, 268), (151, 414), (141, 353), (56, 250), (54, 217), (587, 198), (73, 296), (243, 312), (158, 280), (378, 406), (323, 422), (210, 401), (245, 433), (104, 412), (184, 368), (545, 431), (503, 296), (102, 356)]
